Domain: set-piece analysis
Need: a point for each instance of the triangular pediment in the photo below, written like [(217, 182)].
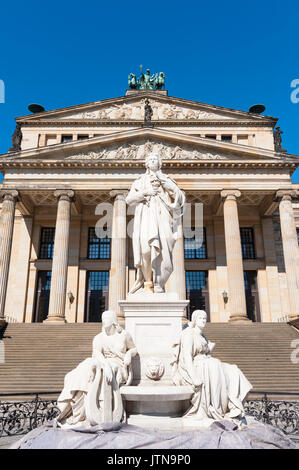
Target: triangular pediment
[(131, 108), (135, 144)]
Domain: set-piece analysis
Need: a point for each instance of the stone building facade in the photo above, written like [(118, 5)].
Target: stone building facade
[(75, 161)]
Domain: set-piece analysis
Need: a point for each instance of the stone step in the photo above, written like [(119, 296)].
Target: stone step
[(37, 356)]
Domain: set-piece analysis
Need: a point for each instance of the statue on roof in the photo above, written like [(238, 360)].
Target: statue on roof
[(146, 81), (16, 139), (277, 139)]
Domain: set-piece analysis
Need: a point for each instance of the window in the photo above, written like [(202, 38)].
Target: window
[(66, 138), (252, 296), (42, 295), (226, 138), (298, 235), (211, 136), (98, 248), (193, 248), (96, 295), (46, 243), (82, 137), (197, 291), (247, 242)]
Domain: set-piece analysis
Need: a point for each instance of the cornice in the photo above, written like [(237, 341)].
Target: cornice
[(92, 164), (137, 123)]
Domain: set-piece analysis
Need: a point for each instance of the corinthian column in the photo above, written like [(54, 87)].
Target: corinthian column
[(7, 222), (60, 257), (234, 261), (290, 247), (117, 277)]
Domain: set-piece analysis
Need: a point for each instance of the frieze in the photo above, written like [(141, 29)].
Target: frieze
[(135, 110), (137, 151)]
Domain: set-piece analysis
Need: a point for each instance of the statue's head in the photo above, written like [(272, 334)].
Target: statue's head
[(199, 318), (148, 71), (109, 319), (153, 161)]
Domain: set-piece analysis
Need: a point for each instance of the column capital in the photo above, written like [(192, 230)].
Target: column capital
[(64, 194), (9, 194), (118, 192), (286, 194), (230, 194)]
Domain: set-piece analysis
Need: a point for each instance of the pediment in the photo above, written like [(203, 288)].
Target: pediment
[(134, 145), (131, 108)]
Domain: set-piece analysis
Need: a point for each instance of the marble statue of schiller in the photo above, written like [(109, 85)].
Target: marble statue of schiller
[(159, 204)]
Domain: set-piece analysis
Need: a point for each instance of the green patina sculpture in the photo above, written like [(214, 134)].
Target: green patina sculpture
[(147, 81)]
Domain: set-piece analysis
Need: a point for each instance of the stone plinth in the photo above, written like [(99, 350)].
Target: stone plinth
[(155, 323)]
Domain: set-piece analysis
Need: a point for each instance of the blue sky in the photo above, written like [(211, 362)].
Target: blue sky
[(232, 53)]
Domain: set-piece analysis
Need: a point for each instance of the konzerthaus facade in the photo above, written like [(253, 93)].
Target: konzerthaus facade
[(72, 159)]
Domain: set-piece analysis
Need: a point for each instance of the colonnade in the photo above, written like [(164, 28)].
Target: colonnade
[(118, 275)]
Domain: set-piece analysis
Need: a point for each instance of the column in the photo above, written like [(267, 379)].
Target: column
[(271, 269), (117, 277), (60, 257), (290, 247), (7, 223), (236, 288), (177, 281)]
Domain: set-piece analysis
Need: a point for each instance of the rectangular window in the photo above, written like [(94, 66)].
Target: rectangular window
[(195, 248), (98, 248), (46, 243), (82, 137), (211, 136), (42, 295), (247, 242), (96, 295), (66, 138), (197, 291), (226, 138)]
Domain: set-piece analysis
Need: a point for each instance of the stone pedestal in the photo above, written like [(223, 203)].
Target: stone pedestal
[(155, 324)]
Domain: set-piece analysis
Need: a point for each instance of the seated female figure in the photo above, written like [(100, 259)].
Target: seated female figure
[(93, 386), (219, 388)]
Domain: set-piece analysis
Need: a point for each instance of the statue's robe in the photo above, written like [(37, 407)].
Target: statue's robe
[(221, 388), (155, 225)]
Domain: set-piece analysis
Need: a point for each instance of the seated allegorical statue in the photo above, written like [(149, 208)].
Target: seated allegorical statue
[(219, 388), (91, 393)]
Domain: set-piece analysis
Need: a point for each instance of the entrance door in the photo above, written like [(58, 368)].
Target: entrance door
[(197, 292), (97, 284), (42, 295), (252, 296)]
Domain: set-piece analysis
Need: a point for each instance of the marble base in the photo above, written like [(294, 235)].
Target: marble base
[(155, 324)]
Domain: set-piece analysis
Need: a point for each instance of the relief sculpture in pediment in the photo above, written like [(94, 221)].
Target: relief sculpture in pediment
[(135, 110), (136, 151)]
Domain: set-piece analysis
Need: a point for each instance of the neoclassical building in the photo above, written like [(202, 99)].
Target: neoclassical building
[(72, 162)]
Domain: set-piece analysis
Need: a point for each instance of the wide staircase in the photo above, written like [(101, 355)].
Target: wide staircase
[(36, 357)]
